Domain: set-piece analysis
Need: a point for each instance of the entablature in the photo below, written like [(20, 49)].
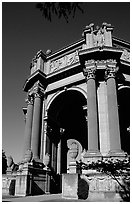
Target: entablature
[(97, 44)]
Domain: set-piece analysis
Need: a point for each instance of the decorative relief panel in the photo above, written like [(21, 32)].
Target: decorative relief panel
[(64, 61)]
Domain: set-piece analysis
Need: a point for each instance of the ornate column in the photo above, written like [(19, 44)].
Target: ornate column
[(28, 126), (36, 128), (92, 115), (113, 118)]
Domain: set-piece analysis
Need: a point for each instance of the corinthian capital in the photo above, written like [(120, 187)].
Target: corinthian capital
[(38, 94), (111, 69), (90, 69), (29, 100), (38, 90)]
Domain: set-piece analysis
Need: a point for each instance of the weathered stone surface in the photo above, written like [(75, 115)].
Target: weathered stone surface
[(8, 184), (70, 186)]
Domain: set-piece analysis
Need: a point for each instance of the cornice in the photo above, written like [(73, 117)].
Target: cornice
[(36, 76), (66, 49), (121, 42), (81, 42)]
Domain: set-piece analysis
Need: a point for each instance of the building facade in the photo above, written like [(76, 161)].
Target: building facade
[(78, 108), (81, 93), (78, 103)]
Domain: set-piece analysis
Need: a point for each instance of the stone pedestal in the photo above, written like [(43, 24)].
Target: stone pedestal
[(32, 181), (8, 184), (70, 186)]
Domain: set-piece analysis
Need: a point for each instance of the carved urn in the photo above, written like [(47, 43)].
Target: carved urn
[(73, 151), (28, 156), (46, 159)]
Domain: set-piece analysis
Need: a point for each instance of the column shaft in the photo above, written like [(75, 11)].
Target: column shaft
[(92, 119), (28, 126), (36, 129), (92, 115), (115, 143)]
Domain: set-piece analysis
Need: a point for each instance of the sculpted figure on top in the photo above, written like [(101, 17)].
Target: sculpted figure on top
[(99, 36)]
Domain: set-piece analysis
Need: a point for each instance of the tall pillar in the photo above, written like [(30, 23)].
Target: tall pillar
[(36, 127), (28, 126), (113, 118), (92, 115)]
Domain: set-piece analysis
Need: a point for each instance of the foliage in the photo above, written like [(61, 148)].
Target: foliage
[(118, 170), (4, 162), (60, 9)]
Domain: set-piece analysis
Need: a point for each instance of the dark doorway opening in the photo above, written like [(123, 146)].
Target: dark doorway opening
[(67, 112), (124, 118)]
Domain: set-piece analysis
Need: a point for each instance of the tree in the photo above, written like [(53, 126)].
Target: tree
[(119, 170), (4, 162), (60, 9)]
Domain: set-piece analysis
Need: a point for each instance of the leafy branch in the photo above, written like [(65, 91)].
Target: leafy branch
[(119, 170), (60, 9)]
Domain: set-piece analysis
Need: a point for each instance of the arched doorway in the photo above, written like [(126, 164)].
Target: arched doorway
[(67, 120), (124, 117)]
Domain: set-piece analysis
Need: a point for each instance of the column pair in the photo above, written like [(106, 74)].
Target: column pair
[(33, 123), (92, 111)]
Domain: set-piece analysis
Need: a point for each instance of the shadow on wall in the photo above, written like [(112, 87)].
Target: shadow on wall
[(83, 189), (12, 187)]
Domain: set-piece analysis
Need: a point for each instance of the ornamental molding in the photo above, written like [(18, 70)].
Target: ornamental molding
[(64, 61)]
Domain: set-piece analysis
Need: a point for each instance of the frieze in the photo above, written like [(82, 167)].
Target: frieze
[(64, 61)]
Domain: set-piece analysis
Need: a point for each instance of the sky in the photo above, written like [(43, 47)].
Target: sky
[(24, 32)]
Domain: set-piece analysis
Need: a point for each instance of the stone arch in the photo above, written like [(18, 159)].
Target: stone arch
[(66, 89), (123, 87), (66, 111), (123, 97)]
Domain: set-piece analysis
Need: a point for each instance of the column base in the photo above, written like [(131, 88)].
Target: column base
[(92, 156), (117, 154)]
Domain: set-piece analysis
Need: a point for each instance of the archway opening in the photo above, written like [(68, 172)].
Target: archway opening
[(67, 120), (124, 117)]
